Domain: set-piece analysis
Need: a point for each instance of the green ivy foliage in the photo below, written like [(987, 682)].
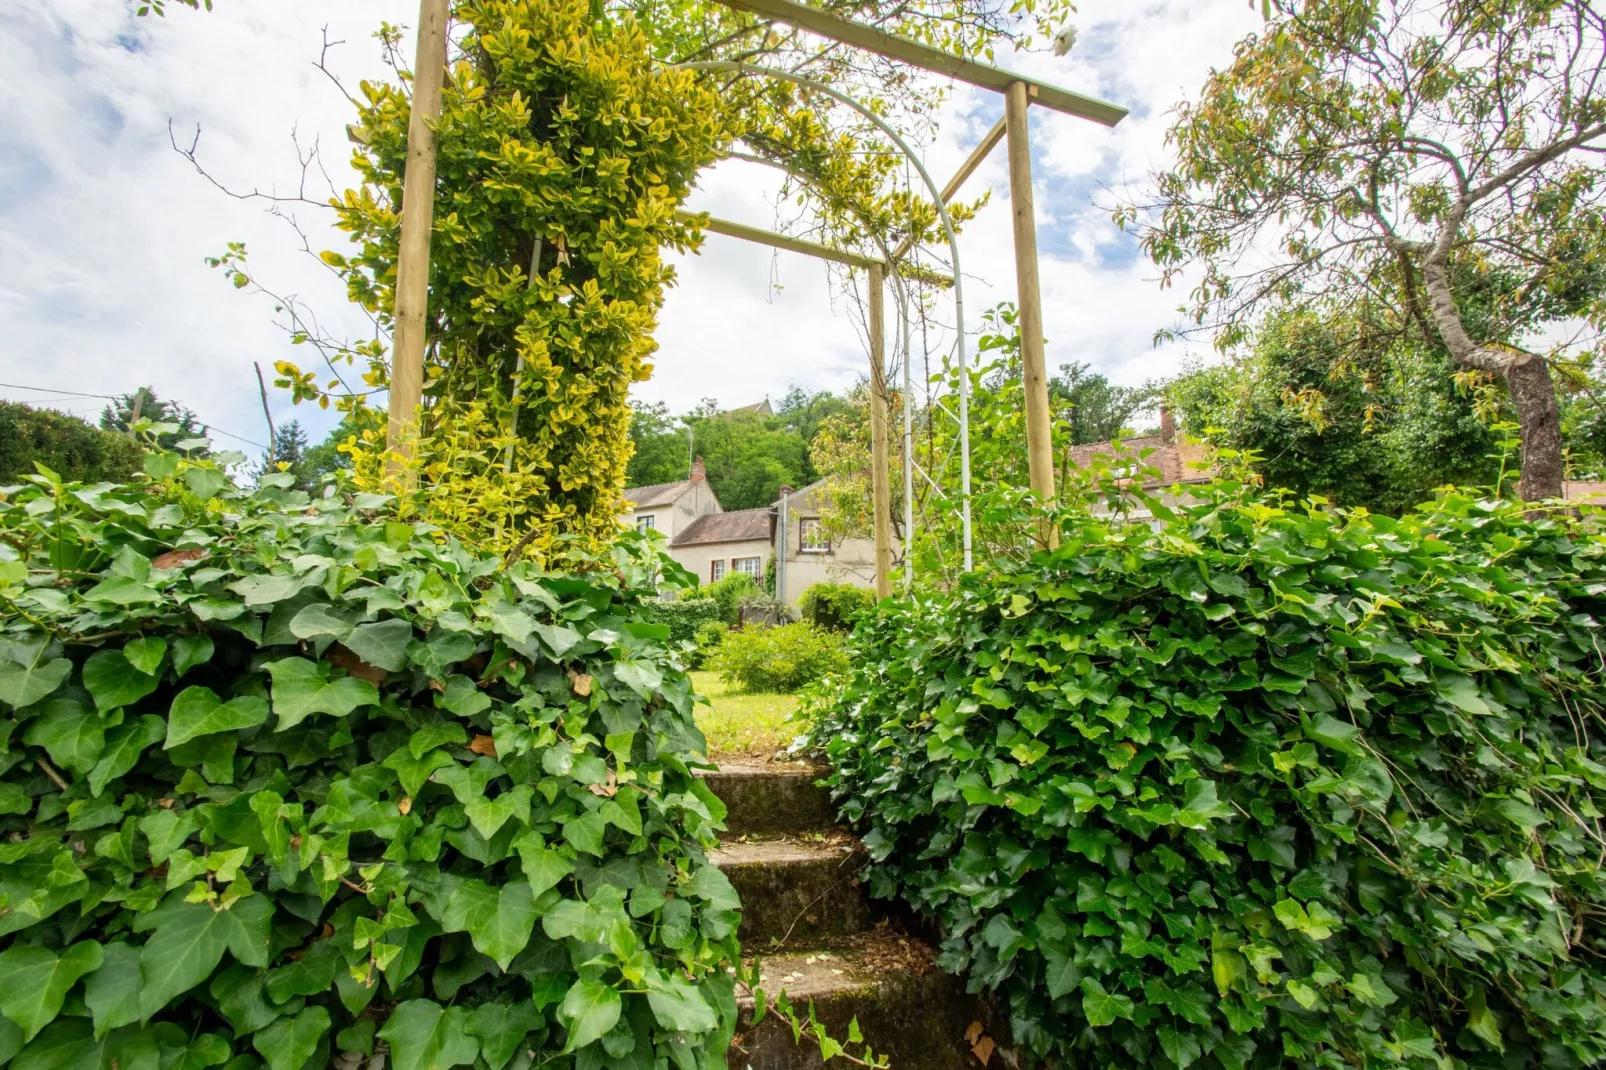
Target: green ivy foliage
[(834, 605), (684, 617), (1256, 786), (284, 778)]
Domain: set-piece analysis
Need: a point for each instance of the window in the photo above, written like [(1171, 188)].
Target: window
[(812, 538), (717, 570), (753, 566), (646, 522)]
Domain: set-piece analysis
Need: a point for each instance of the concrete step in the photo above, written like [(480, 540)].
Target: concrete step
[(772, 799), (907, 1010), (796, 892)]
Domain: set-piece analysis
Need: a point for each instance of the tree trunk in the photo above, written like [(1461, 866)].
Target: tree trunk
[(1526, 375), (1539, 417)]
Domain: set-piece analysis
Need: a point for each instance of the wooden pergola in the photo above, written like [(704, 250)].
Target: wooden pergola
[(1020, 93)]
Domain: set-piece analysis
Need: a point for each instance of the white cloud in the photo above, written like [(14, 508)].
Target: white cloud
[(103, 228)]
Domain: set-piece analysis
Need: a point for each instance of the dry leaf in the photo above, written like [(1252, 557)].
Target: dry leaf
[(165, 804), (608, 790), (974, 1032), (581, 682), (177, 558), (342, 658), (328, 930), (483, 745), (405, 807), (983, 1049)]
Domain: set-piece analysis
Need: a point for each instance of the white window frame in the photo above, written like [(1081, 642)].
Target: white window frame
[(803, 526), (718, 569), (647, 522), (753, 566)]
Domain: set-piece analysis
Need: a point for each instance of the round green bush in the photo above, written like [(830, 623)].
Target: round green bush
[(1255, 787), (778, 659), (286, 778), (834, 605), (709, 635), (728, 593)]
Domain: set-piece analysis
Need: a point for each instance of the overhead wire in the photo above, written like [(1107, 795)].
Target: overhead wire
[(65, 393)]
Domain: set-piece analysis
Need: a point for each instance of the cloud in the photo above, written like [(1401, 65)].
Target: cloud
[(103, 228)]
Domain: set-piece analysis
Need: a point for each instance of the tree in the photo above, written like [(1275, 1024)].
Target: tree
[(1092, 408), (1404, 155), (143, 404), (660, 448), (804, 412), (1381, 433), (66, 445), (748, 456), (289, 454)]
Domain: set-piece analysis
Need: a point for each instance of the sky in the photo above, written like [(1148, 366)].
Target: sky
[(105, 229)]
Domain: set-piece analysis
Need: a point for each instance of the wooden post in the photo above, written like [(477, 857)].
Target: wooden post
[(880, 480), (412, 266), (1039, 441)]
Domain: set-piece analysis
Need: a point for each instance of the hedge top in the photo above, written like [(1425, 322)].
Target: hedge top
[(280, 773)]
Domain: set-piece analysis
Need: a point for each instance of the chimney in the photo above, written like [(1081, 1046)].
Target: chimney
[(785, 491), (1168, 426), (698, 474)]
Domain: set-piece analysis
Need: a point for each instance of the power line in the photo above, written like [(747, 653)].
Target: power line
[(118, 397)]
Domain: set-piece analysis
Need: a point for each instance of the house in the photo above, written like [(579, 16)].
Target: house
[(712, 542), (1178, 464)]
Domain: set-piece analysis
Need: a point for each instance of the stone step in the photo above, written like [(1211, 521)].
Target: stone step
[(907, 1010), (772, 799), (796, 893)]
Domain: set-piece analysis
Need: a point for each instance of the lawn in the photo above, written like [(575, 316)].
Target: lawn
[(737, 725)]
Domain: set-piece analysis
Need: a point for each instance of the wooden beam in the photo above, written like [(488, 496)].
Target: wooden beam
[(808, 248), (932, 59), (880, 429), (977, 155), (412, 261), (1039, 442)]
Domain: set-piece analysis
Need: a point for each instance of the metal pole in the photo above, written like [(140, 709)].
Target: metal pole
[(880, 486), (953, 253), (780, 550), (1039, 440), (412, 262)]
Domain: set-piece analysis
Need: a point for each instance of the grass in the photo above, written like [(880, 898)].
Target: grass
[(741, 725)]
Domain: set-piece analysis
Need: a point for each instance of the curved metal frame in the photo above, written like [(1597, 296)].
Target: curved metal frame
[(959, 296)]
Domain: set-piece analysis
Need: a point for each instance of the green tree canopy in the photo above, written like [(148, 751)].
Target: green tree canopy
[(66, 445), (1404, 156), (143, 404)]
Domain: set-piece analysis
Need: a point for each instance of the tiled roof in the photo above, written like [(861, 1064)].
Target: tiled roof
[(657, 494), (1172, 460), (743, 525)]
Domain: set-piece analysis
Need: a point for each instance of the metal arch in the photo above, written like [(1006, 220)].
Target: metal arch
[(953, 249)]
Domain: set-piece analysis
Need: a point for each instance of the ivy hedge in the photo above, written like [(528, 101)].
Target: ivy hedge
[(284, 781), (1257, 786), (684, 617)]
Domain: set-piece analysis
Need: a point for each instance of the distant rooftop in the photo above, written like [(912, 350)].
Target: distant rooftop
[(742, 525), (1172, 459), (656, 494)]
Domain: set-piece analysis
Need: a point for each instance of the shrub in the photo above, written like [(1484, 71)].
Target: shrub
[(778, 659), (1259, 787), (291, 777), (683, 618), (834, 605), (65, 444), (728, 593), (709, 635)]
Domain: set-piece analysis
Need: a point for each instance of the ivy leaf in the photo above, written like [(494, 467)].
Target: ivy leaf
[(436, 734), (499, 921), (1331, 732), (710, 884), (146, 654), (182, 952), (413, 772), (23, 685), (265, 590), (197, 711), (382, 643), (114, 682), (543, 866), (502, 1028), (584, 833), (302, 688), (124, 745), (489, 815), (1200, 806), (288, 1043), (590, 1009), (1519, 813), (190, 651), (424, 1036), (122, 591), (1063, 975), (34, 981), (112, 992), (318, 621), (72, 733), (559, 638), (1100, 1007), (639, 676), (1181, 1047), (463, 698), (678, 1005)]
